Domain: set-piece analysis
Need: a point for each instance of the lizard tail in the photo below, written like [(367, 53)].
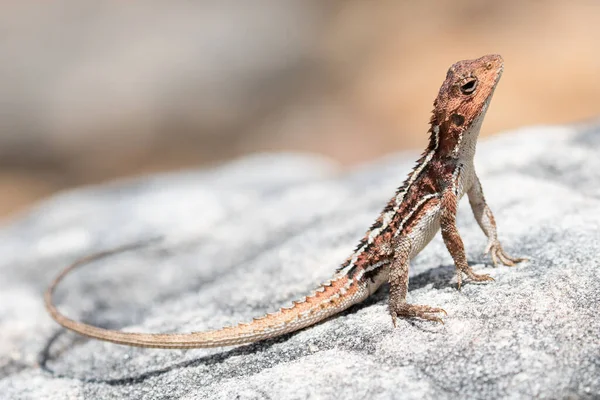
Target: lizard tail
[(330, 298)]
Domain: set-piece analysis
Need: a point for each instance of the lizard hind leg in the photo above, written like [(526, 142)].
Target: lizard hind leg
[(398, 279)]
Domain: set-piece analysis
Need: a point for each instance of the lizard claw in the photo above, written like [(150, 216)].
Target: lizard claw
[(472, 275), (480, 277), (416, 311), (498, 254)]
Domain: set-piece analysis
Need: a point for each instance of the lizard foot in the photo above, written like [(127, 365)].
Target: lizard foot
[(472, 275), (494, 248), (406, 310)]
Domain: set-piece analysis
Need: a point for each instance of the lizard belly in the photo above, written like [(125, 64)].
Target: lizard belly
[(424, 230), (465, 180)]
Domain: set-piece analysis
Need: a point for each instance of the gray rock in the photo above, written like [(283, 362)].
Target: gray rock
[(249, 237)]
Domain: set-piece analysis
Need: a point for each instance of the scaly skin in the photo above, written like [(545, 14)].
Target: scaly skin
[(424, 204)]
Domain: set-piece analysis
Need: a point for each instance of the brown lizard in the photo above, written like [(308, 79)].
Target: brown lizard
[(424, 204)]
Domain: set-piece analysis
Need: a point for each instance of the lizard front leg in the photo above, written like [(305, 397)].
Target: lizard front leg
[(486, 221), (453, 240), (398, 279)]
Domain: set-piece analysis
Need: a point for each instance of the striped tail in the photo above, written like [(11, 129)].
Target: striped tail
[(329, 299)]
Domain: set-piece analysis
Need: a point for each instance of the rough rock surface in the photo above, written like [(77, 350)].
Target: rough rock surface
[(251, 236)]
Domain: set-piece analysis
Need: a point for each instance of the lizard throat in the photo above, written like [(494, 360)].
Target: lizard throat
[(467, 139)]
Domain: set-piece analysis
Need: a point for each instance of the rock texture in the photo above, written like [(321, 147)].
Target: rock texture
[(251, 236)]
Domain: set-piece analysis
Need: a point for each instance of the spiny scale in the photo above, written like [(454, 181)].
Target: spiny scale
[(424, 203)]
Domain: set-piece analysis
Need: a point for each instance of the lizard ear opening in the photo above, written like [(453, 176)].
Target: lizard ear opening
[(469, 86), (457, 119)]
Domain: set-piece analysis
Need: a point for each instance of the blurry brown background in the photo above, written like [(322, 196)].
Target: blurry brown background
[(92, 90)]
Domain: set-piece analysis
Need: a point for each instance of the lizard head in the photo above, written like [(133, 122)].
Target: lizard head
[(462, 102)]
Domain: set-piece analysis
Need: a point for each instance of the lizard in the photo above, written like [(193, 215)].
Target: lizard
[(425, 204)]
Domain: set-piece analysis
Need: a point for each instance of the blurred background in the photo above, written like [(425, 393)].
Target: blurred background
[(91, 91)]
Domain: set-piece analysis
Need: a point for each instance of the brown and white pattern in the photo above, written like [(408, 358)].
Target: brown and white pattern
[(424, 204)]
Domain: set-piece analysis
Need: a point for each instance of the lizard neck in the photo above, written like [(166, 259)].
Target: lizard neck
[(466, 145), (453, 142)]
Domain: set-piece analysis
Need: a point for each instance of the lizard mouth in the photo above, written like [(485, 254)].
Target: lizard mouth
[(500, 71)]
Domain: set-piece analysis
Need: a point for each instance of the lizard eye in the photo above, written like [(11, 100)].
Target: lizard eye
[(469, 86)]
